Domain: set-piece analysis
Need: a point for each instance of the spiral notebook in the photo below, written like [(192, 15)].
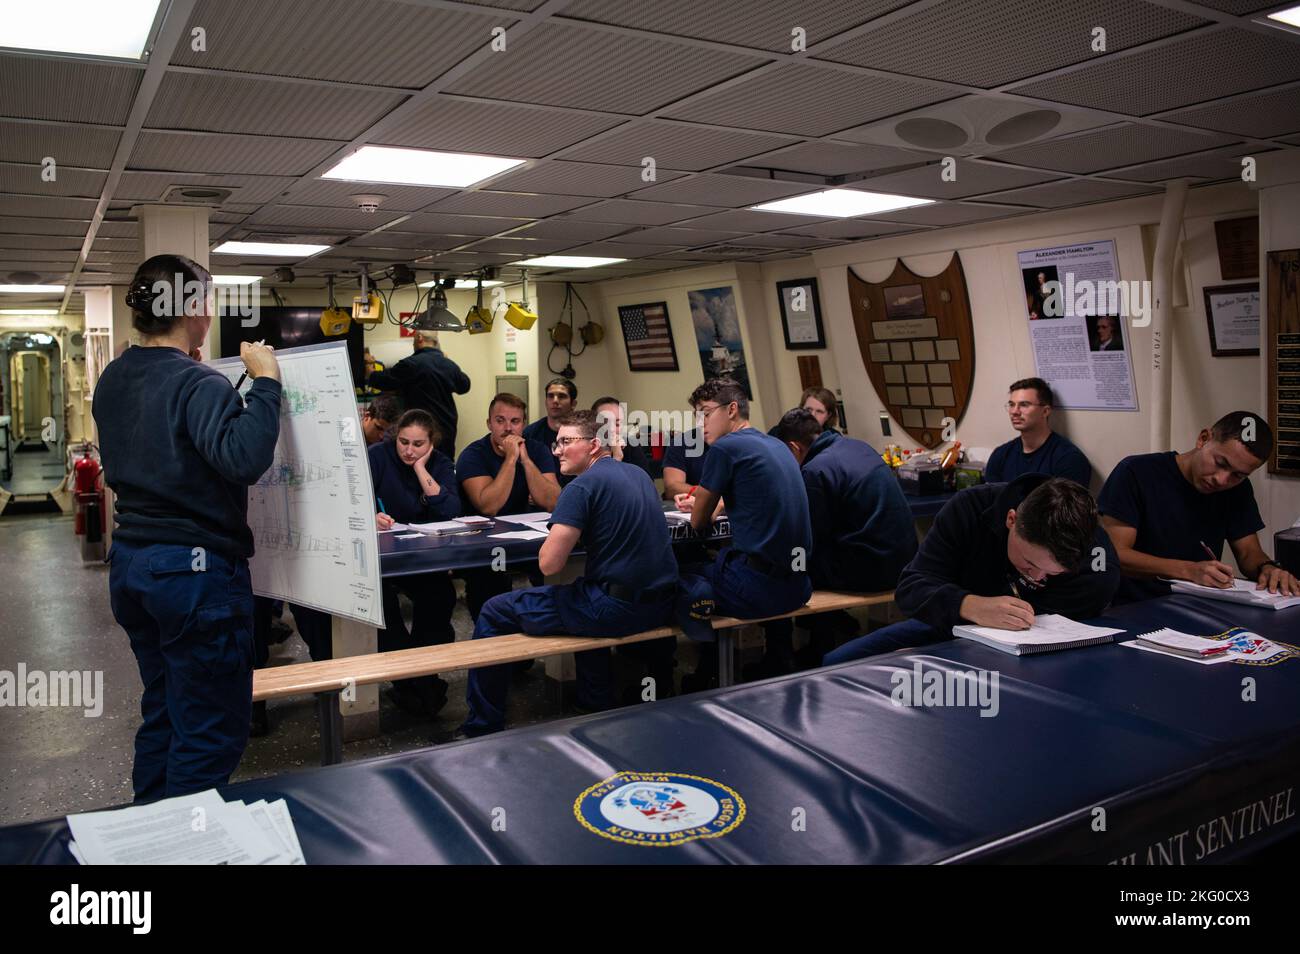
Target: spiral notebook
[(1241, 591), (1048, 634)]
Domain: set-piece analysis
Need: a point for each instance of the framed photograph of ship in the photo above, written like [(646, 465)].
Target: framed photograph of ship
[(717, 334)]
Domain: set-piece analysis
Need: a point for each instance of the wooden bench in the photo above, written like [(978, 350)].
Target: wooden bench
[(328, 678)]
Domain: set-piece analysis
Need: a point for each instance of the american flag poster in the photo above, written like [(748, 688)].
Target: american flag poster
[(648, 336)]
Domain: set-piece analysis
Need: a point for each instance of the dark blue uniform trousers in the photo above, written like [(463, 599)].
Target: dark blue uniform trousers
[(581, 608), (740, 590), (192, 635), (907, 634)]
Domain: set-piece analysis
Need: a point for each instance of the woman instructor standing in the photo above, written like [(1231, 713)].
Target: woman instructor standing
[(180, 449)]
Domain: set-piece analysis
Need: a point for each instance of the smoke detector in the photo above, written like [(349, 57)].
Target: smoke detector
[(369, 202)]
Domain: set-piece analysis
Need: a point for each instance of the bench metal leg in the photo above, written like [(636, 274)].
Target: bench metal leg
[(726, 657), (331, 727)]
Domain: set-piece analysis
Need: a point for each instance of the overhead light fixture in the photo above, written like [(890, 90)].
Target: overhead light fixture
[(29, 311), (401, 275), (33, 289), (841, 203), (368, 307), (1289, 16), (437, 316), (334, 321), (284, 275), (518, 313), (466, 284), (568, 261), (87, 27), (235, 279), (479, 319), (272, 249), (421, 167)]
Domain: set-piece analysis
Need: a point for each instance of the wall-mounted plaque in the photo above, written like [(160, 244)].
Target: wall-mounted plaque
[(1238, 242), (1283, 342)]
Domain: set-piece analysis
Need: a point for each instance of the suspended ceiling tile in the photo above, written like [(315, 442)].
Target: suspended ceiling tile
[(850, 229), (598, 70), (620, 249), (761, 24), (391, 238), (67, 145), (37, 87), (1225, 165), (1262, 116), (511, 204), (353, 41), (571, 230), (244, 104), (246, 190), (579, 178), (436, 222), (46, 206), (953, 213), (838, 159), (1109, 148), (230, 152), (498, 129), (61, 243), (968, 178), (23, 178), (675, 146), (1055, 195), (521, 247), (338, 194), (808, 101), (117, 229), (307, 217), (774, 240), (1183, 73), (687, 237), (747, 220), (717, 190), (626, 212), (989, 42)]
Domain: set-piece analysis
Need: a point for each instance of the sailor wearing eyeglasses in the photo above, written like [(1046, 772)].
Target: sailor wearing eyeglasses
[(628, 586), (998, 555), (1038, 449)]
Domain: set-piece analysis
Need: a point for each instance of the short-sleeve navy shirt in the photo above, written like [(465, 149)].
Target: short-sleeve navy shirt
[(678, 455), (760, 482), (1172, 518), (623, 527), (1057, 457), (480, 460)]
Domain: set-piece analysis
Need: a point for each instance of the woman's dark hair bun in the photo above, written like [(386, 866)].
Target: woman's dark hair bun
[(142, 296)]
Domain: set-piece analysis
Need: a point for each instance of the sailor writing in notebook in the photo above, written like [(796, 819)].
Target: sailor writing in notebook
[(1169, 514), (997, 555)]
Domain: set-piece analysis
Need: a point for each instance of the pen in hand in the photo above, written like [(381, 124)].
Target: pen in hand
[(240, 383)]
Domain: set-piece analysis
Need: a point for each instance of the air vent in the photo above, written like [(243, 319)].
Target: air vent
[(731, 251), (195, 195)]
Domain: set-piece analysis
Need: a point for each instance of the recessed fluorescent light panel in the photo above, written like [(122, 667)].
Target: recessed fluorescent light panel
[(421, 167), (841, 203), (1289, 16), (29, 311), (32, 289), (118, 29), (273, 249), (567, 261), (235, 279)]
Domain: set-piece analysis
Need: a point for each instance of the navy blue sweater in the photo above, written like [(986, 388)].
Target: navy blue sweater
[(180, 449), (965, 553), (427, 380), (399, 488), (863, 529)]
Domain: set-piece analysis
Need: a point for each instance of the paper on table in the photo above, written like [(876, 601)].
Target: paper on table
[(76, 852), (1048, 628), (677, 516), (437, 526), (473, 521), (279, 810), (165, 833), (521, 535), (408, 536), (1243, 591), (541, 516), (260, 812), (395, 528), (1203, 661)]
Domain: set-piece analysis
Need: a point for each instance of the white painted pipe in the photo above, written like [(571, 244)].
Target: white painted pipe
[(1162, 308)]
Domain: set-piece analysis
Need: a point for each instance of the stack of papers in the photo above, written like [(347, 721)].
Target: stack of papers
[(677, 516), (1241, 591), (1235, 644), (1049, 632), (198, 829)]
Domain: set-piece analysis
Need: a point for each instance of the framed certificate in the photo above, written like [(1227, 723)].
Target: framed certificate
[(801, 314), (1232, 312)]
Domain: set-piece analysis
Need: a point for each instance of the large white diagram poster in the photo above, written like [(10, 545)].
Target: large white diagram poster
[(1079, 316), (312, 514)]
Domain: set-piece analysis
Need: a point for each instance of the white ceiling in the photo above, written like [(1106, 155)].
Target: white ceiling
[(586, 89)]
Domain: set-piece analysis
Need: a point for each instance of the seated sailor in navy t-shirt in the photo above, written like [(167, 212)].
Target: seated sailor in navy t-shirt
[(628, 586), (1169, 514), (684, 461), (415, 483), (997, 555), (765, 570), (863, 529), (1038, 449), (503, 473)]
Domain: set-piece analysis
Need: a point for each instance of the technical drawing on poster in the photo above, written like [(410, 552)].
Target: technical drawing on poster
[(312, 512)]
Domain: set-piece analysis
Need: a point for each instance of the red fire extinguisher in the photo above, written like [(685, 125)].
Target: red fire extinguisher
[(90, 518)]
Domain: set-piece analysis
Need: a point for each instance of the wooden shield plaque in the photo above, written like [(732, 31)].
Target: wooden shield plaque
[(918, 345)]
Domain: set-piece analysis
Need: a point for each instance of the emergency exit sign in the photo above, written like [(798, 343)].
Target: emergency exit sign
[(510, 361)]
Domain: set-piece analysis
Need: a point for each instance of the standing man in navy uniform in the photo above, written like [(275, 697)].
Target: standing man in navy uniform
[(503, 473), (764, 571), (180, 450), (863, 529), (628, 586), (427, 380)]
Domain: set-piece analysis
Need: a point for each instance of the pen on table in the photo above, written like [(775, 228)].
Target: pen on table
[(240, 383)]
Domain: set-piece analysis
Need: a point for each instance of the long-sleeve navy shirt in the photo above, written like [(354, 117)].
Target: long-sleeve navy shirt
[(397, 485), (965, 553), (180, 449), (427, 380)]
